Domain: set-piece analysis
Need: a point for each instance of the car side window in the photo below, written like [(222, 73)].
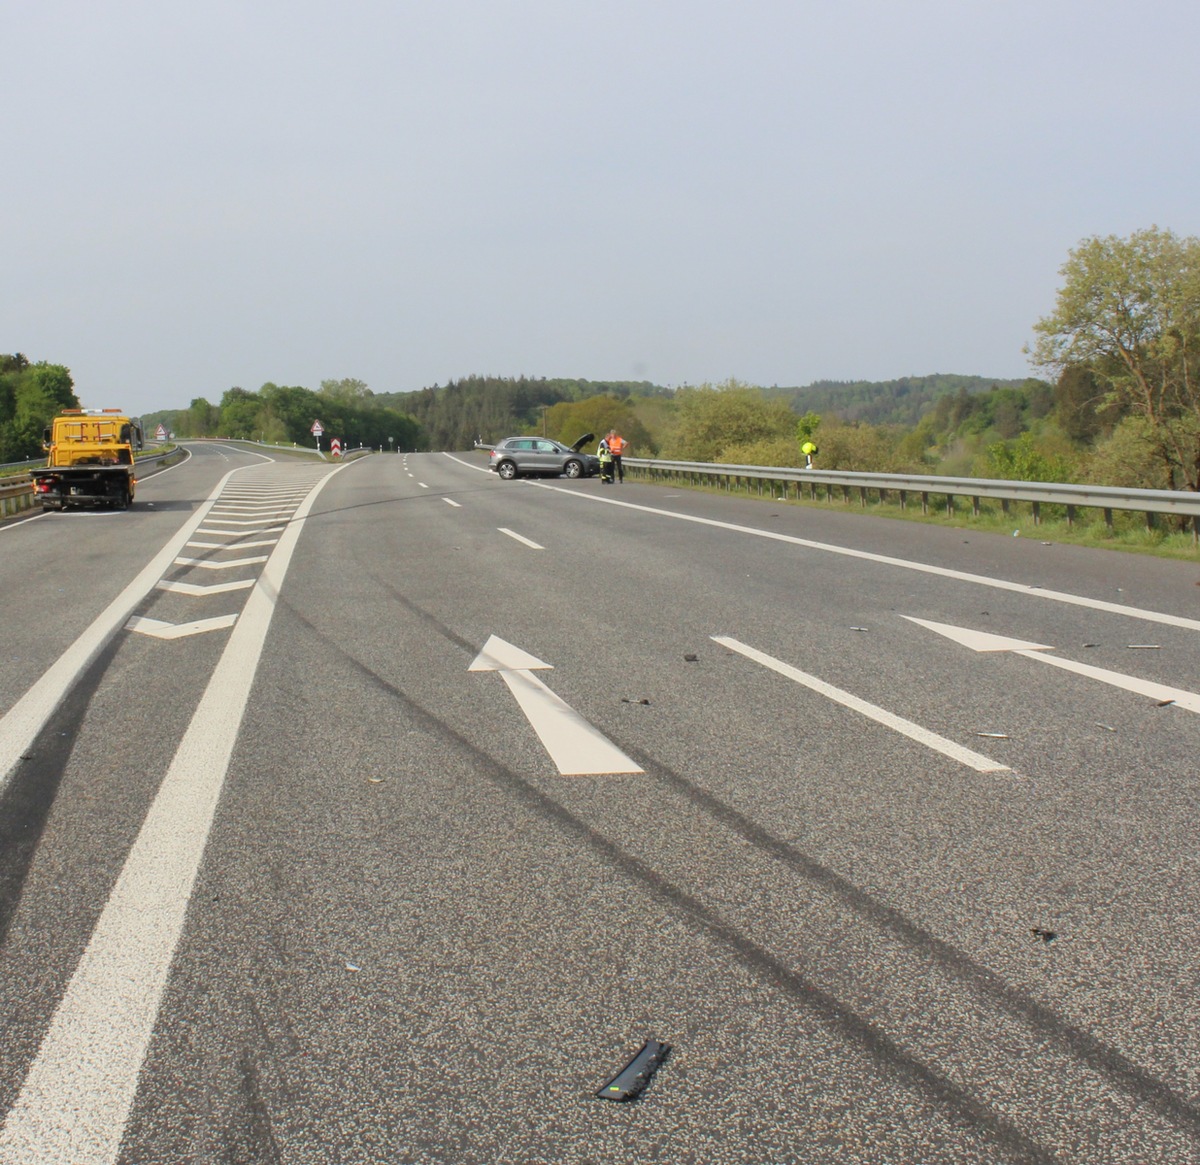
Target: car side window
[(547, 447), (523, 446)]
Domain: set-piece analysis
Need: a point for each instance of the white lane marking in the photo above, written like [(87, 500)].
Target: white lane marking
[(160, 630), (208, 564), (575, 746), (227, 521), (452, 502), (985, 641), (233, 545), (520, 538), (76, 1099), (235, 534), (24, 720), (906, 564), (890, 720), (422, 485), (186, 588)]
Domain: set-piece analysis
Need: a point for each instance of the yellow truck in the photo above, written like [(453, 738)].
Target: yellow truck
[(90, 460)]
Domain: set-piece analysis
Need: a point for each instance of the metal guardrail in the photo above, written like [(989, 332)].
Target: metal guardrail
[(1106, 498)]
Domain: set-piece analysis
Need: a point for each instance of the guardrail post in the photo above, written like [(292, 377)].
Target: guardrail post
[(949, 505), (862, 497), (1037, 513), (1108, 518), (975, 507), (1070, 516), (903, 500), (924, 502)]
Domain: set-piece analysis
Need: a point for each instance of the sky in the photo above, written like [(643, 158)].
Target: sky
[(224, 193)]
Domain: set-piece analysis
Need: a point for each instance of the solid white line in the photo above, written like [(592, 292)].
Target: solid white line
[(24, 720), (520, 538), (907, 728), (575, 746), (906, 564), (76, 1099)]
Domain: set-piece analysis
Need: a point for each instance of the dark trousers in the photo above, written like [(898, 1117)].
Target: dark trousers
[(618, 469)]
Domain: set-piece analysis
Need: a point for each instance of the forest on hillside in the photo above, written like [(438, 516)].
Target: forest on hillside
[(1120, 404)]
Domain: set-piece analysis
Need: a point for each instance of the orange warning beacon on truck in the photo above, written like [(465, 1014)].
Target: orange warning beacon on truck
[(90, 460)]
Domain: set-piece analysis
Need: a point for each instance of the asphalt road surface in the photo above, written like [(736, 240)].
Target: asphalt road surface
[(382, 812)]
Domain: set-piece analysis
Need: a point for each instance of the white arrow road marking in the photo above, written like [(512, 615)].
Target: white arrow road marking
[(185, 588), (208, 564), (984, 641), (520, 538), (576, 748), (161, 630), (924, 736)]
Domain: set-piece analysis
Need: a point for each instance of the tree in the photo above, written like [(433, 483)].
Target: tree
[(1129, 312), (713, 419)]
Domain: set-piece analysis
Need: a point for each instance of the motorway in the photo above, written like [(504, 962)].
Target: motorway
[(381, 812)]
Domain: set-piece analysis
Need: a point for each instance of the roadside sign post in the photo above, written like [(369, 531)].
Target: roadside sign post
[(316, 430)]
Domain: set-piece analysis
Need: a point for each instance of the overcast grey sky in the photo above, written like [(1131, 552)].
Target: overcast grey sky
[(216, 193)]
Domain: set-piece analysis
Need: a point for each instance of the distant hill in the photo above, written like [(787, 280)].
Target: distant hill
[(883, 402)]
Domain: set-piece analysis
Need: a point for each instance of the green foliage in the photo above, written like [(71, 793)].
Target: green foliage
[(807, 426), (569, 420), (862, 448), (711, 419), (1023, 460), (30, 396), (1129, 313)]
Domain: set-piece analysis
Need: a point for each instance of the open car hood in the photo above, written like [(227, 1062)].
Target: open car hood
[(582, 442)]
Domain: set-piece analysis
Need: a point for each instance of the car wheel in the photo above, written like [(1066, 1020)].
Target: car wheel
[(507, 470), (573, 469)]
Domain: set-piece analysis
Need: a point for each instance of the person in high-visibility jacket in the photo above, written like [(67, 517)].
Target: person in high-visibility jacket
[(606, 460), (810, 451), (616, 446)]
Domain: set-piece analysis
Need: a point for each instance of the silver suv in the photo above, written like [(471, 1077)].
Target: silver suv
[(540, 455)]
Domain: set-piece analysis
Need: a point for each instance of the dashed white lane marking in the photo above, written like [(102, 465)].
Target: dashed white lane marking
[(890, 720), (520, 538), (452, 502), (76, 1099)]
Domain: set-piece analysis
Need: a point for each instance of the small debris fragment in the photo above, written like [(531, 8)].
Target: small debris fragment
[(1016, 533), (1047, 936), (858, 628), (993, 735), (1047, 543), (1091, 645), (1143, 647), (1163, 703), (1106, 727), (646, 702), (691, 658), (629, 1083), (353, 967)]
